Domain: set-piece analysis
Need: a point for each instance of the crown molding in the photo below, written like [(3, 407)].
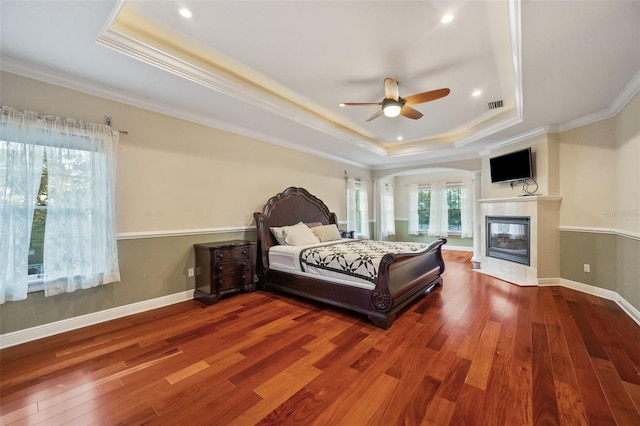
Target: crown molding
[(271, 102), (50, 76), (515, 139), (628, 92)]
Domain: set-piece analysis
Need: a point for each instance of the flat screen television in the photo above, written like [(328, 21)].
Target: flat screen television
[(511, 167)]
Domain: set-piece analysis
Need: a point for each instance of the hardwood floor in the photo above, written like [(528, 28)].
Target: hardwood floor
[(478, 351)]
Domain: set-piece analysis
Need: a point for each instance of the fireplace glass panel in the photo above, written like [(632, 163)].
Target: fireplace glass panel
[(508, 238)]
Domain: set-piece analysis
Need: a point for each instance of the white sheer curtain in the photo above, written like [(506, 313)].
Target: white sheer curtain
[(414, 227), (79, 241), (363, 211), (438, 213), (352, 219), (466, 210), (20, 172), (357, 208), (387, 215)]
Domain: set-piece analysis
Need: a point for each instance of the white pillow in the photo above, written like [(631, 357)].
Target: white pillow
[(299, 235), (278, 233), (326, 233)]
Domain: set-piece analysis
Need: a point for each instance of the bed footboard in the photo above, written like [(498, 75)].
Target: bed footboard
[(404, 277)]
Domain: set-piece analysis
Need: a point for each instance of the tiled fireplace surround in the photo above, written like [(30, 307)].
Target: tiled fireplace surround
[(544, 212)]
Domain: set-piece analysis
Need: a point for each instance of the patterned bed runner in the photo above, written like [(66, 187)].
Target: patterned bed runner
[(358, 258)]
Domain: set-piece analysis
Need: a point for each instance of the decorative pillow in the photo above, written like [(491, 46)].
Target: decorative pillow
[(278, 233), (299, 235), (326, 233), (313, 224)]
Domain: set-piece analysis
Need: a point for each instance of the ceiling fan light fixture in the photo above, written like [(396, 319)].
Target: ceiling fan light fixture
[(185, 13), (391, 107)]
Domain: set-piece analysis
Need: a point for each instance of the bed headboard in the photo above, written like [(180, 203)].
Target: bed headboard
[(289, 207)]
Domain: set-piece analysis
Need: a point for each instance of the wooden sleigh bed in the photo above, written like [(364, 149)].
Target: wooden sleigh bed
[(401, 277)]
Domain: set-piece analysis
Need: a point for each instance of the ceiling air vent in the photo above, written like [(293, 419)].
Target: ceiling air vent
[(494, 105)]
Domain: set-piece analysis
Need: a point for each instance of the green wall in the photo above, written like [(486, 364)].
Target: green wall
[(614, 261), (149, 268)]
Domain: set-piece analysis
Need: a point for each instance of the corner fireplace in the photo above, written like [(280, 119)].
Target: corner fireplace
[(508, 238)]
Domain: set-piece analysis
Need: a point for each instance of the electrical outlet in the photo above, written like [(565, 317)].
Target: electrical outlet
[(190, 272), (587, 267)]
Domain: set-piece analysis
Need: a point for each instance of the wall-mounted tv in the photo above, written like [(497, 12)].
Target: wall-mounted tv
[(511, 167)]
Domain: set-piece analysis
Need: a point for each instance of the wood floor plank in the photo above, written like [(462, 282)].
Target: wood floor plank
[(619, 399), (482, 359), (545, 406), (596, 405), (477, 350)]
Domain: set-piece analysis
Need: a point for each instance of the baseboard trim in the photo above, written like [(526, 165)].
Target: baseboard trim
[(594, 291), (62, 326)]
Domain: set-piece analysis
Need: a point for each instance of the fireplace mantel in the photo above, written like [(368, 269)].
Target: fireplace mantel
[(522, 199), (544, 211)]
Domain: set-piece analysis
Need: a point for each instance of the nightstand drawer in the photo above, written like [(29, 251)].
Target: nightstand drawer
[(231, 267), (227, 254), (225, 283)]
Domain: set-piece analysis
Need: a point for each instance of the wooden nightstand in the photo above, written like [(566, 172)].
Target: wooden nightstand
[(223, 267), (347, 234)]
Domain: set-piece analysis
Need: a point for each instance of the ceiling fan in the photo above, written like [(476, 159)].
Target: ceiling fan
[(393, 105)]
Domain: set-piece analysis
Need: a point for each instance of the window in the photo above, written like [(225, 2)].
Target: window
[(454, 199), (424, 207), (36, 242), (56, 204), (441, 209)]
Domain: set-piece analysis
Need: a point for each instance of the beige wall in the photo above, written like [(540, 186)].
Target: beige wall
[(172, 175), (627, 128), (588, 175), (470, 165)]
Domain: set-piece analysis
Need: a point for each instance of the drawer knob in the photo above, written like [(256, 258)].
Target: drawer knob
[(219, 268), (220, 282), (244, 251)]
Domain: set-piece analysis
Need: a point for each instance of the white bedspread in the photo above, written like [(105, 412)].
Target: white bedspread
[(287, 259), (354, 262)]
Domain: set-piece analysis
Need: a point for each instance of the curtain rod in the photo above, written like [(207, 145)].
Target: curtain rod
[(428, 184), (107, 122)]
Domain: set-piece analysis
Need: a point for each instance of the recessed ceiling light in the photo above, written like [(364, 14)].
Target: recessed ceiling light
[(476, 93), (447, 18), (185, 13), (399, 138)]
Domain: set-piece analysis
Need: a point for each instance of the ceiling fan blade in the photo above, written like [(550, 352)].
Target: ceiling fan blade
[(374, 116), (426, 96), (361, 103), (409, 112), (391, 89)]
